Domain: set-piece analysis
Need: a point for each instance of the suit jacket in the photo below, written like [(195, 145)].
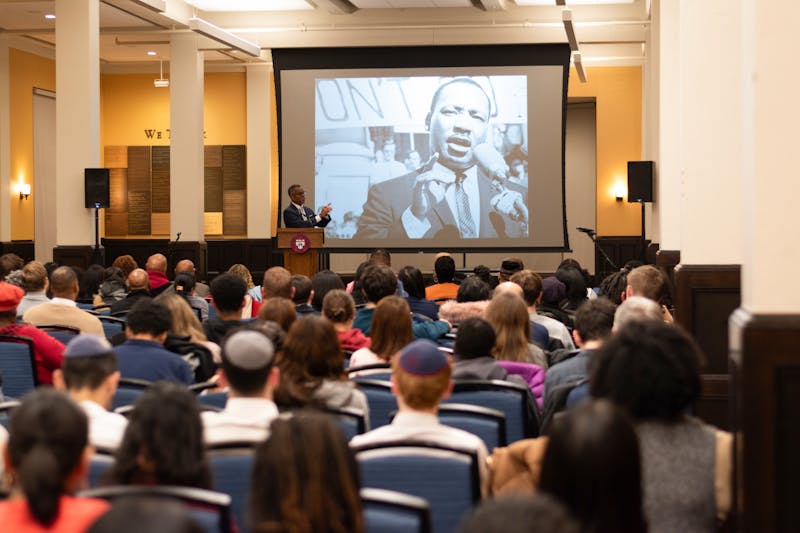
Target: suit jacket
[(292, 218), (382, 213)]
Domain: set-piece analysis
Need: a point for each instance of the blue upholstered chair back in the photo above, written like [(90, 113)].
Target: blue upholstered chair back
[(231, 467), (447, 478), (508, 398), (388, 511), (17, 365), (488, 424), (380, 399)]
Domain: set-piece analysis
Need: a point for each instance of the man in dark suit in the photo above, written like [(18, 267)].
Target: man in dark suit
[(449, 196), (296, 215)]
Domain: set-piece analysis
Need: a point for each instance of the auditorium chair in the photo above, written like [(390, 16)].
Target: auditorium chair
[(112, 325), (380, 399), (61, 333), (352, 421), (231, 465), (5, 411), (389, 511), (488, 424), (17, 365)]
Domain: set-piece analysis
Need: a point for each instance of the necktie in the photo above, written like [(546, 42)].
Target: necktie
[(303, 213), (465, 222)]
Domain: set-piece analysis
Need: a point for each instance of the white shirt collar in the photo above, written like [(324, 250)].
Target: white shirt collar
[(64, 301), (415, 419)]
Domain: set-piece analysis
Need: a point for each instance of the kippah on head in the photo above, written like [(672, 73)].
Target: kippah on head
[(422, 358), (88, 346), (248, 350), (10, 295)]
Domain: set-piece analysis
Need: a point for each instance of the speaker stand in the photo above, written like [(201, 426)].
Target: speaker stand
[(98, 254), (644, 242)]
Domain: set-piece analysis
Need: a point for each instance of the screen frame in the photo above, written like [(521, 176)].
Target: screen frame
[(509, 55)]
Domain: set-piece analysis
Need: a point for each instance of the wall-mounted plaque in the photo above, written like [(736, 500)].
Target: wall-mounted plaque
[(233, 165)]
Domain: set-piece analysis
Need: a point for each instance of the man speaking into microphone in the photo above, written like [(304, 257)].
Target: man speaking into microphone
[(297, 215), (462, 191)]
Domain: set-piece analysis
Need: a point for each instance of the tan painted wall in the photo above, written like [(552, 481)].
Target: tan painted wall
[(26, 72), (618, 93)]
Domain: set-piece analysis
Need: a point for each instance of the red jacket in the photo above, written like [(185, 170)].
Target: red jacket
[(353, 340)]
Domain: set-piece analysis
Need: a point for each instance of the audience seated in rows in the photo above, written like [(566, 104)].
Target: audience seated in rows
[(89, 376), (11, 268), (156, 267), (312, 368), (420, 381), (508, 316), (142, 355), (305, 478), (251, 306), (248, 358), (471, 301), (163, 443), (184, 286), (444, 270), (614, 285), (113, 288), (324, 281), (592, 466), (46, 459), (391, 331), (48, 353), (278, 310), (126, 263), (379, 282), (650, 282), (303, 294), (411, 277), (62, 309), (228, 292), (475, 340), (186, 337), (186, 266), (508, 267), (35, 283), (531, 284), (89, 282), (536, 513), (138, 288), (339, 308)]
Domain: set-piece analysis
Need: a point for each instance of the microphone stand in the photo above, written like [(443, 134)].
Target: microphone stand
[(600, 249)]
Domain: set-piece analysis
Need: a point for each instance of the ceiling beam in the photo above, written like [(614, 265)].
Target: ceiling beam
[(491, 5), (336, 7)]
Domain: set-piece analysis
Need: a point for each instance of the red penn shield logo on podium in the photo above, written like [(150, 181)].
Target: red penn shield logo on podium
[(300, 243)]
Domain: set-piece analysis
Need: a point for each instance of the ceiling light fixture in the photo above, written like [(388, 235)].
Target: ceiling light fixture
[(49, 16), (161, 82), (151, 52)]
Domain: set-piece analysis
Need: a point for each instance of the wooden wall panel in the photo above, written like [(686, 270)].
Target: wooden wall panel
[(233, 168)]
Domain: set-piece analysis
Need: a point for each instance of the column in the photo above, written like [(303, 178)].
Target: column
[(5, 143), (77, 127), (186, 149), (259, 139)]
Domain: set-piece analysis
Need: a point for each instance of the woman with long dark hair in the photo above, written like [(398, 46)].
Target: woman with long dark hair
[(390, 332), (305, 479), (47, 458)]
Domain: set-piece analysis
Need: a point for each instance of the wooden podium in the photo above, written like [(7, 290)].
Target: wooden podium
[(301, 249)]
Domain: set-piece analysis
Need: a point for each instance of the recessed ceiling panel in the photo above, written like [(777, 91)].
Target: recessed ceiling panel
[(250, 5)]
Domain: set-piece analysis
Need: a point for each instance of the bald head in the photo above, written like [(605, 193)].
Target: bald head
[(185, 265), (64, 283), (138, 280), (157, 262), (508, 287)]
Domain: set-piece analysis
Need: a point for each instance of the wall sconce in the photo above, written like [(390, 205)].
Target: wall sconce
[(619, 191), (24, 190)]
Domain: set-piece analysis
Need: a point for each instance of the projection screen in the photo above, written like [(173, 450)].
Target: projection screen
[(428, 148)]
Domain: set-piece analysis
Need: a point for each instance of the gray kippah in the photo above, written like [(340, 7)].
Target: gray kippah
[(88, 346), (248, 350)]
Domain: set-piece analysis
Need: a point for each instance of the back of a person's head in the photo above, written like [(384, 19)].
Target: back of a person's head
[(247, 359), (381, 256), (377, 282), (592, 466), (148, 316), (312, 342), (391, 326), (648, 281), (509, 318), (163, 442), (279, 310), (138, 280), (637, 308), (34, 276), (594, 319), (90, 281), (88, 361), (575, 285), (338, 306), (421, 373), (445, 269), (531, 284), (243, 272), (48, 434), (412, 280), (485, 274), (126, 263), (228, 291), (534, 513), (9, 263), (474, 338), (277, 282), (473, 289), (185, 322), (650, 368), (146, 513), (302, 288), (324, 282), (62, 281), (157, 262), (305, 478), (614, 285), (184, 283)]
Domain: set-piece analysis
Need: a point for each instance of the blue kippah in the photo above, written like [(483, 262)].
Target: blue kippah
[(88, 346), (422, 358)]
